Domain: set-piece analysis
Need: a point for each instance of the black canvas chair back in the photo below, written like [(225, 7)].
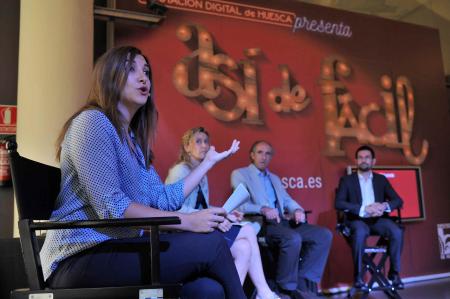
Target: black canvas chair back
[(36, 185)]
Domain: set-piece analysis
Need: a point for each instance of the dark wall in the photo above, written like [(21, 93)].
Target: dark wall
[(9, 50), (9, 53)]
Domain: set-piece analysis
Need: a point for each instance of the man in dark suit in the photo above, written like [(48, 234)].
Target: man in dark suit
[(285, 226), (367, 197)]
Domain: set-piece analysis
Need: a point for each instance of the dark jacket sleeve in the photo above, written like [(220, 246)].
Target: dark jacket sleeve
[(391, 196), (342, 200)]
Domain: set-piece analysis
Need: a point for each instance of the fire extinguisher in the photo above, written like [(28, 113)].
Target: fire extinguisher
[(5, 171)]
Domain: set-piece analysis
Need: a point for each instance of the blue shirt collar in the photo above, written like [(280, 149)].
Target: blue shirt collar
[(258, 172)]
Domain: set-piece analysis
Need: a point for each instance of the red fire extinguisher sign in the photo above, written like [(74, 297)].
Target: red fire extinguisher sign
[(8, 119), (5, 172)]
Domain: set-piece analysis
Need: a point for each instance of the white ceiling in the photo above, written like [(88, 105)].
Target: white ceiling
[(392, 9)]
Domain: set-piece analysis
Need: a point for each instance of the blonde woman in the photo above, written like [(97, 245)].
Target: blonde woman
[(241, 239)]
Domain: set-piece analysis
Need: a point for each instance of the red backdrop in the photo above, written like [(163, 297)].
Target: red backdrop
[(375, 47)]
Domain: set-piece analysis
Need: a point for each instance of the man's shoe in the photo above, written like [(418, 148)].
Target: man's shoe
[(359, 284), (306, 288), (396, 281)]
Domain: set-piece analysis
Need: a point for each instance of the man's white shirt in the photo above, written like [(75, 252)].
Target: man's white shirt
[(368, 196)]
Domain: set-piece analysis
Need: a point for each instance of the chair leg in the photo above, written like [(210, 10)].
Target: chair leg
[(392, 293), (352, 293), (376, 272)]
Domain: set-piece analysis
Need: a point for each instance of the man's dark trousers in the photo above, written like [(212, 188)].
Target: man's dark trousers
[(303, 251), (385, 227)]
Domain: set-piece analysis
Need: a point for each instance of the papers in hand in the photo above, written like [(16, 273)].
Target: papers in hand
[(239, 196)]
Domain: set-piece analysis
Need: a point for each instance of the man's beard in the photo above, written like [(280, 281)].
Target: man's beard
[(363, 167)]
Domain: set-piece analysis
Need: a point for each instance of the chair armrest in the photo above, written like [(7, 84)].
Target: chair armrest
[(258, 214), (306, 214), (342, 217), (341, 225), (398, 218), (128, 222), (30, 248), (254, 215)]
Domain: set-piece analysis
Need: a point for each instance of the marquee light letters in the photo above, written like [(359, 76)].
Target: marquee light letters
[(203, 74), (340, 121), (209, 74), (206, 67), (286, 98)]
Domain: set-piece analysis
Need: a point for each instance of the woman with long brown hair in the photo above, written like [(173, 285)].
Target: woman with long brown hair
[(105, 151)]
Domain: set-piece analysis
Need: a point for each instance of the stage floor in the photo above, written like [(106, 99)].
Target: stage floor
[(433, 289)]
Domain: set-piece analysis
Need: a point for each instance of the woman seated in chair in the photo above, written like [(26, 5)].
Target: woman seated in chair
[(242, 240), (105, 151)]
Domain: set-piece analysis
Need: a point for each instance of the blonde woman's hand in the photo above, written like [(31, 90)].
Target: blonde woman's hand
[(213, 156), (235, 216), (225, 226)]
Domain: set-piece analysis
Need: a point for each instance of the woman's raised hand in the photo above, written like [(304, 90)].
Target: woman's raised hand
[(213, 156)]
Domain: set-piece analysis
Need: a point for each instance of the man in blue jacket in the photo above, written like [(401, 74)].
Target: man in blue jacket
[(285, 225)]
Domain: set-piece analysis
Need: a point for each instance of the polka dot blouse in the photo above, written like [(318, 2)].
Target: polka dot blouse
[(100, 177)]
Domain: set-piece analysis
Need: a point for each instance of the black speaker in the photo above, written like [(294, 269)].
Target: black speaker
[(156, 8)]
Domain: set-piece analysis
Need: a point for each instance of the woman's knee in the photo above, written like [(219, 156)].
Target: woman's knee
[(241, 249), (248, 232)]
